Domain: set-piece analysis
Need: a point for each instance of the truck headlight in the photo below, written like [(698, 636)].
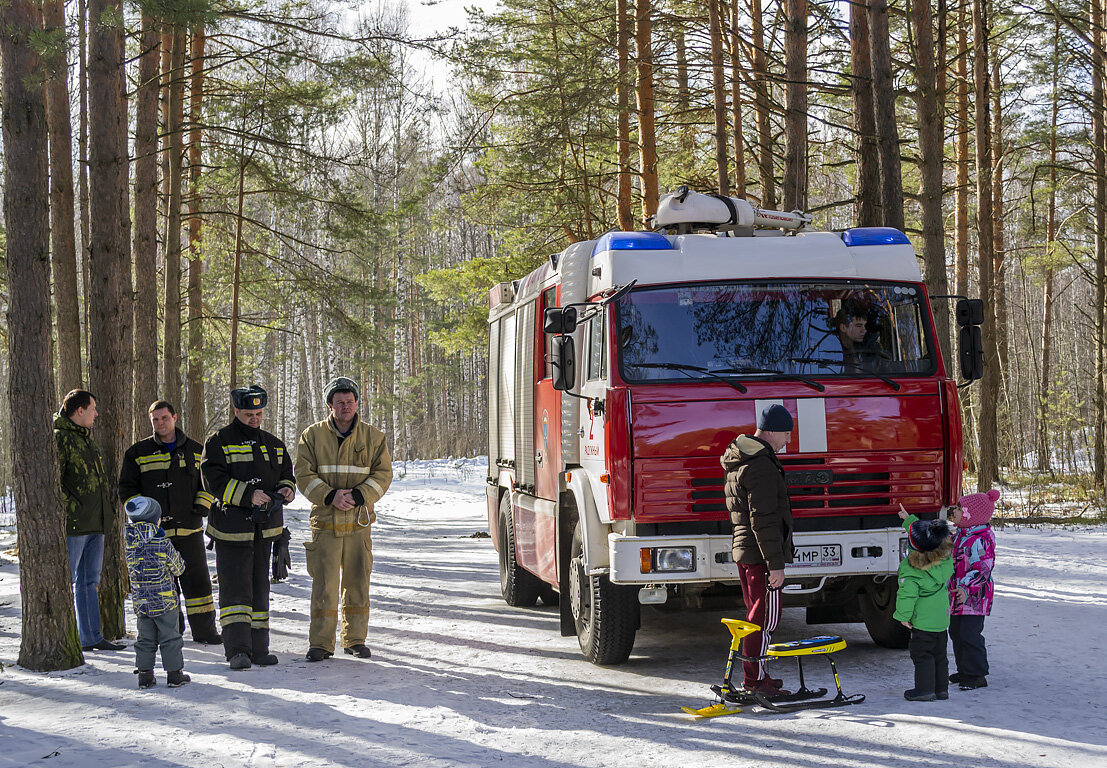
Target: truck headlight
[(668, 559)]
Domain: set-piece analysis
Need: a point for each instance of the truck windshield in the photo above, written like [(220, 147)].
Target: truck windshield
[(748, 330)]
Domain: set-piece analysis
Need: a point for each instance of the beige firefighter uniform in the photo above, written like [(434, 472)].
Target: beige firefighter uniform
[(340, 553)]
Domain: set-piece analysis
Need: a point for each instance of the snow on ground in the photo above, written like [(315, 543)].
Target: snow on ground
[(458, 678)]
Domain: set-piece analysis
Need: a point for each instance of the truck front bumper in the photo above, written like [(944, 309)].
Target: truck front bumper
[(684, 559)]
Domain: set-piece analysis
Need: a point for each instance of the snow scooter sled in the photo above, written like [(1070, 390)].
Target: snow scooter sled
[(727, 695)]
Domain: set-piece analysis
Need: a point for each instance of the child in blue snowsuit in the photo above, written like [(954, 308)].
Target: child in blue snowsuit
[(154, 565)]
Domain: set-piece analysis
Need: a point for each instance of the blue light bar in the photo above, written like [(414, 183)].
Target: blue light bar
[(632, 241), (874, 236)]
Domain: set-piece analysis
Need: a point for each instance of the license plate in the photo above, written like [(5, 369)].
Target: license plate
[(817, 556)]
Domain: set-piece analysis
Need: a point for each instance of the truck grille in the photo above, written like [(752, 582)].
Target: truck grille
[(692, 489)]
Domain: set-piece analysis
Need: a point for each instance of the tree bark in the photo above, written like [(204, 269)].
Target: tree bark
[(171, 354), (887, 130), (1099, 130), (67, 307), (647, 139), (961, 204), (622, 88), (48, 640), (1045, 460), (761, 105), (82, 156), (1000, 258), (718, 89), (736, 102), (109, 272), (867, 201), (196, 421), (795, 112), (988, 470), (931, 153), (687, 122), (146, 226)]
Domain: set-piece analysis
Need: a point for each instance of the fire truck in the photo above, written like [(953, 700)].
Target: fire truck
[(621, 369)]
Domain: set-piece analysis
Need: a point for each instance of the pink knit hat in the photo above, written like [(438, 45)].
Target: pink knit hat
[(978, 508)]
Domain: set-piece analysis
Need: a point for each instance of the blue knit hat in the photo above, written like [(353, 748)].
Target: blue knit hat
[(143, 509), (775, 418)]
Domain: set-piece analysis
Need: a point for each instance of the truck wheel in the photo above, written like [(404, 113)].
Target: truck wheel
[(606, 615), (518, 585), (878, 603)]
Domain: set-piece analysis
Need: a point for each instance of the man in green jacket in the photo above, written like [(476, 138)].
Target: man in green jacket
[(343, 467), (757, 499), (89, 511), (922, 603)]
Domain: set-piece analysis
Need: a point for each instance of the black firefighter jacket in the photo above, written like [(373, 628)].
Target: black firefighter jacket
[(757, 499), (237, 461), (172, 478)]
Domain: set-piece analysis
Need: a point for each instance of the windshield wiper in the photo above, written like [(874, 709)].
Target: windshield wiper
[(779, 374), (828, 363), (685, 368)]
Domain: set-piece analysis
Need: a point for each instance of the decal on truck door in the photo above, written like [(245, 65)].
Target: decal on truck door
[(810, 418)]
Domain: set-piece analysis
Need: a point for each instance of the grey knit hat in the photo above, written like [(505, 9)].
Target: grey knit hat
[(143, 509), (341, 384), (775, 418)]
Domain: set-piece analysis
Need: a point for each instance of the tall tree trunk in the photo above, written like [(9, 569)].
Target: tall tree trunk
[(867, 201), (146, 223), (718, 89), (1045, 462), (931, 153), (961, 203), (236, 278), (1000, 270), (109, 271), (736, 102), (887, 130), (688, 128), (761, 105), (647, 139), (988, 470), (795, 111), (1099, 453), (82, 156), (171, 354), (67, 307), (48, 639), (196, 421), (622, 87)]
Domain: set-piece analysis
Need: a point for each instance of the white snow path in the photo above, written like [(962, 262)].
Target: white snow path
[(458, 678)]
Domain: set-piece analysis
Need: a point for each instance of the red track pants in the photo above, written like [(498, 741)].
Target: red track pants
[(763, 606)]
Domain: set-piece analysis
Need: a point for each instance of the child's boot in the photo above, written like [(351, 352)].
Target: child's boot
[(146, 678), (177, 679)]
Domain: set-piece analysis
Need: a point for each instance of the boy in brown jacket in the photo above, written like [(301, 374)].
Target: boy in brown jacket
[(757, 499)]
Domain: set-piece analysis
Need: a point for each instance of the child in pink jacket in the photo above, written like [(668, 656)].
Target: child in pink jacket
[(970, 589)]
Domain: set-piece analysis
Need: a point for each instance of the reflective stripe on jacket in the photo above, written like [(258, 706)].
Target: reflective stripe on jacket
[(171, 477), (360, 462)]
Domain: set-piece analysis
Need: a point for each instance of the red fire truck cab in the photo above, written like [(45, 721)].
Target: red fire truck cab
[(605, 490)]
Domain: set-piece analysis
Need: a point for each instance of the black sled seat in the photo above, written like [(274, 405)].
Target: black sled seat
[(804, 697)]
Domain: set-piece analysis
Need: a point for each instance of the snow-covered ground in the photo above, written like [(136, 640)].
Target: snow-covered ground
[(458, 678)]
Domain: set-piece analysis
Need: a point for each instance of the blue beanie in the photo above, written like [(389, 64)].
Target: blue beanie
[(775, 418), (143, 509)]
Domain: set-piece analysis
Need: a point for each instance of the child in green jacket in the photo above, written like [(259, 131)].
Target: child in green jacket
[(922, 603)]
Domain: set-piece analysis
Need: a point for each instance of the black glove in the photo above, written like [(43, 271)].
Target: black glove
[(282, 557)]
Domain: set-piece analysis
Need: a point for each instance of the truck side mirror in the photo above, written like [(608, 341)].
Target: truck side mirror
[(564, 362), (970, 312), (971, 353), (559, 320)]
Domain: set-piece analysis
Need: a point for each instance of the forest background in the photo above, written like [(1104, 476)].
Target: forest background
[(202, 194)]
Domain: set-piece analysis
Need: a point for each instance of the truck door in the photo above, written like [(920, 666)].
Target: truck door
[(593, 375), (547, 412)]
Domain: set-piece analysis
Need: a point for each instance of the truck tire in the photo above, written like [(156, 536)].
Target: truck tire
[(518, 585), (606, 615), (878, 603)]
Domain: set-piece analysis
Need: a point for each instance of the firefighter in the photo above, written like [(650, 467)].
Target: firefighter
[(343, 467), (249, 473), (166, 467)]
